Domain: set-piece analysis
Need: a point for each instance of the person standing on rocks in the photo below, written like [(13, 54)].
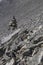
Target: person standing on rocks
[(13, 23)]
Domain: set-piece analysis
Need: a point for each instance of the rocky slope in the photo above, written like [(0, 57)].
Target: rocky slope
[(24, 46)]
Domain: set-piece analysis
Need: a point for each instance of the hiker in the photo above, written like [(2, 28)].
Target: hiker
[(13, 23)]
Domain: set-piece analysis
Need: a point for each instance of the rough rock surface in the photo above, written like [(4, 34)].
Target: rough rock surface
[(24, 46)]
